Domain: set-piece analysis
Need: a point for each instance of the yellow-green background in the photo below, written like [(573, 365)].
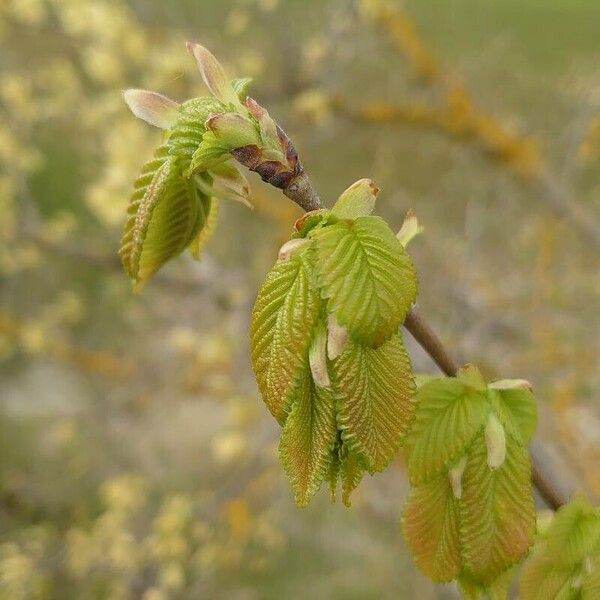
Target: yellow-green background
[(136, 458)]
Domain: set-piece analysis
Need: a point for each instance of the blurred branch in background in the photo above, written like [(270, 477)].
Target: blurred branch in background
[(459, 118), (33, 339)]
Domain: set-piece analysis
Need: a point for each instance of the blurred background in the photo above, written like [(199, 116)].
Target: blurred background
[(136, 457)]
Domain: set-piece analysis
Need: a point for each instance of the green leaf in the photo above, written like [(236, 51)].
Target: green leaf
[(541, 579), (374, 392), (448, 417), (352, 469), (565, 562), (497, 514), (366, 276), (430, 525), (357, 201), (590, 584), (308, 438), (283, 318), (516, 409), (162, 217), (187, 134), (209, 213)]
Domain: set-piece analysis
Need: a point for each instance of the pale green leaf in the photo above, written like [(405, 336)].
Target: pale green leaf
[(162, 217), (366, 276), (590, 584), (430, 525), (516, 409), (352, 470), (308, 438), (374, 392), (187, 133), (574, 534), (497, 514), (285, 313), (209, 213), (448, 417)]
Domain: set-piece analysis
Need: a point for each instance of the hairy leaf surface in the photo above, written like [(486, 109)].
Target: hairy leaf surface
[(430, 524), (497, 514), (308, 438), (366, 275), (374, 392), (283, 318), (448, 417)]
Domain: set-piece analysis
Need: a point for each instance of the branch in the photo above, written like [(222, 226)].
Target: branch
[(307, 198)]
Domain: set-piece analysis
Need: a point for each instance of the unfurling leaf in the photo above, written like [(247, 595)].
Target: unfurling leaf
[(308, 438), (430, 524), (165, 214), (374, 389), (565, 561), (286, 311), (365, 275), (497, 514), (447, 418), (304, 355), (466, 449)]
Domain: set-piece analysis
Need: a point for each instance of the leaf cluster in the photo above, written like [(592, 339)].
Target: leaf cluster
[(565, 561), (470, 515), (329, 361)]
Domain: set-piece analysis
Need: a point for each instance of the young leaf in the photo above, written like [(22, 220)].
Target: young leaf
[(366, 277), (352, 470), (210, 213), (516, 410), (308, 438), (497, 514), (565, 561), (240, 87), (163, 218), (448, 417), (187, 133), (357, 201), (283, 318), (374, 392), (430, 525)]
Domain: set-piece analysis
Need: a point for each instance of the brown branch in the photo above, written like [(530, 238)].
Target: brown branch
[(549, 490)]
